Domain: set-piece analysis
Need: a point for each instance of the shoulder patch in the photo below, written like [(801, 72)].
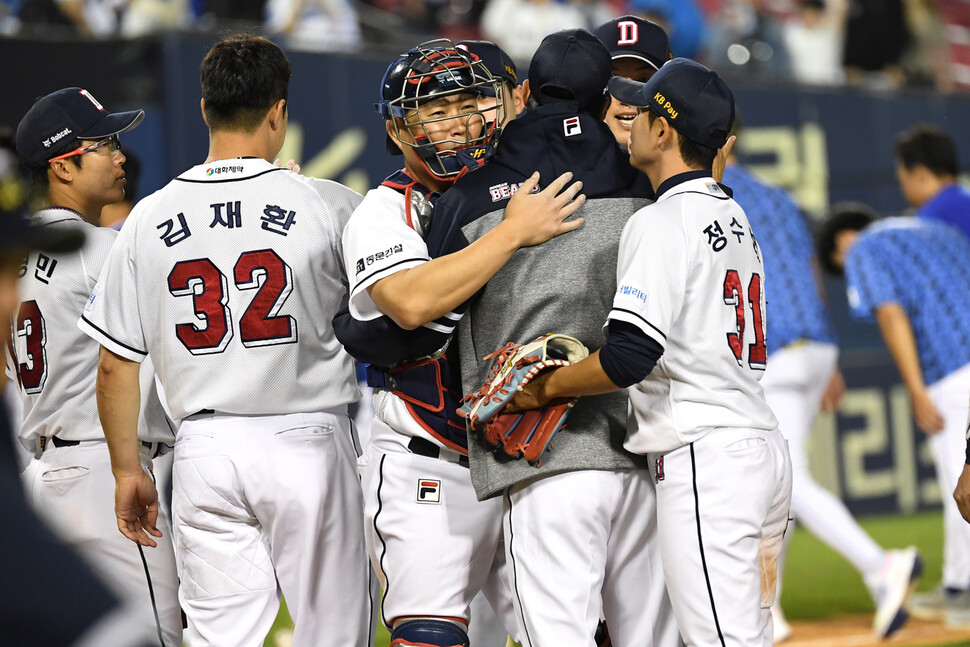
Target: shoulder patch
[(571, 127)]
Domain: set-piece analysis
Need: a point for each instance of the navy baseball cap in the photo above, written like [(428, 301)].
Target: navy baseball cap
[(635, 37), (694, 99), (496, 60), (571, 66), (60, 119), (21, 232)]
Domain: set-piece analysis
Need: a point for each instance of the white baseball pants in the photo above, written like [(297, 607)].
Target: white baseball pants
[(73, 490), (583, 546), (722, 510), (263, 505)]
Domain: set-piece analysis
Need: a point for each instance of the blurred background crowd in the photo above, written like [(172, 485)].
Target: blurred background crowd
[(880, 44)]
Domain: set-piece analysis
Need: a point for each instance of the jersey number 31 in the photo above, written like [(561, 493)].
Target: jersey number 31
[(734, 295)]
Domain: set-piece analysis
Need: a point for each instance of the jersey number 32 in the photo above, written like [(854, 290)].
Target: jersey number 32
[(260, 325)]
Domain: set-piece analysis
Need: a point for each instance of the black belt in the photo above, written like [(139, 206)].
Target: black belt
[(427, 448), (60, 442)]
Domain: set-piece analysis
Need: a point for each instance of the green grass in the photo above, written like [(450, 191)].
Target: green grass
[(818, 582)]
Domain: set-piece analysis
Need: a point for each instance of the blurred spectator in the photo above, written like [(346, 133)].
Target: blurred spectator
[(813, 39), (681, 19), (315, 25), (150, 16), (746, 41), (14, 183), (98, 18), (241, 12), (956, 32), (876, 37), (518, 26)]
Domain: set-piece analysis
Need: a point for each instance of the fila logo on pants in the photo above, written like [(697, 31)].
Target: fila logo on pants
[(429, 491)]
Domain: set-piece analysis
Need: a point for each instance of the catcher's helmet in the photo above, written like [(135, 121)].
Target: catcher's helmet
[(431, 70)]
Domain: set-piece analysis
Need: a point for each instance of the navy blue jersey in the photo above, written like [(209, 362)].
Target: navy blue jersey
[(922, 266), (795, 307)]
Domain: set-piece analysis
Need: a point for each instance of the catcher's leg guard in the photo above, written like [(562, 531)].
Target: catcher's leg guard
[(429, 631)]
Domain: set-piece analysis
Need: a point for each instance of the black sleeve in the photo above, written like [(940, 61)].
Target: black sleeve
[(629, 354)]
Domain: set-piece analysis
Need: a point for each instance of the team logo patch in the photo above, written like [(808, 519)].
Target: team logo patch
[(659, 470), (506, 190), (429, 491), (571, 127), (629, 33)]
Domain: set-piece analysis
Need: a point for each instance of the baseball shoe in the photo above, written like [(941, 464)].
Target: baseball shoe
[(938, 603), (894, 586), (782, 628)]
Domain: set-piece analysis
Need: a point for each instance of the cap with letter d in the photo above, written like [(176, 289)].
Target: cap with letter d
[(61, 118), (571, 66), (693, 99), (635, 37)]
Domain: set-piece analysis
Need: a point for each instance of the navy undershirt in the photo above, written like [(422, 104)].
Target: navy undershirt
[(629, 354)]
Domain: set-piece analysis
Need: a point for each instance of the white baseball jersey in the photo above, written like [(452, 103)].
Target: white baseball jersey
[(229, 277), (690, 276), (54, 363), (378, 243)]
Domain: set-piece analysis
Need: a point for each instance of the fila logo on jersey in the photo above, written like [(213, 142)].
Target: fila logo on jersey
[(571, 126), (659, 470), (429, 491), (629, 33)]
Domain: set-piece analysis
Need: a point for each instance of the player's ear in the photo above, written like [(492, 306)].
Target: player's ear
[(202, 108), (61, 170), (525, 92), (276, 114), (392, 133)]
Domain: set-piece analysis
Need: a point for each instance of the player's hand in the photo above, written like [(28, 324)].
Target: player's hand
[(531, 396), (292, 165), (928, 419), (833, 392), (720, 160), (537, 217), (136, 506), (962, 493)]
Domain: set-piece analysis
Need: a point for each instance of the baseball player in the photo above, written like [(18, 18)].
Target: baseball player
[(432, 544), (502, 68), (687, 328), (638, 48), (801, 376), (911, 275), (70, 142), (48, 595), (569, 568), (227, 278)]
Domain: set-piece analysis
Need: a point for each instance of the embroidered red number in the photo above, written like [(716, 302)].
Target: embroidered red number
[(734, 296), (261, 324), (32, 372), (203, 281)]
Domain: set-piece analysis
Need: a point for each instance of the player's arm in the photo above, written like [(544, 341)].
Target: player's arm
[(898, 333), (628, 356), (962, 492), (119, 399), (420, 294)]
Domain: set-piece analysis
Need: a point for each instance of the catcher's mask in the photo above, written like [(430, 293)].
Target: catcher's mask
[(433, 70)]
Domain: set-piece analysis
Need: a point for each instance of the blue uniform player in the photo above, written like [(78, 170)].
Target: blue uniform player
[(801, 376), (911, 275)]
